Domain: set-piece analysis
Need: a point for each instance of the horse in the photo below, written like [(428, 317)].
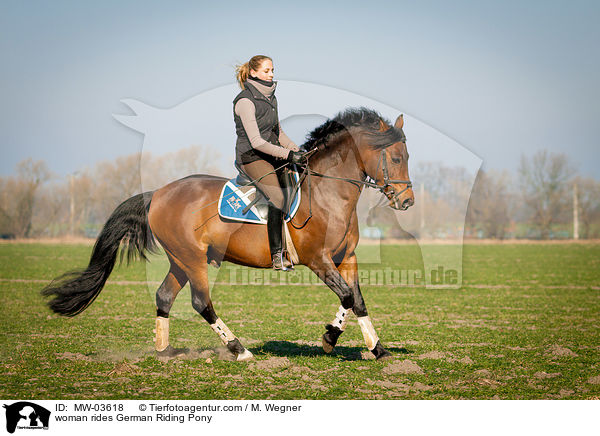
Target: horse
[(355, 149)]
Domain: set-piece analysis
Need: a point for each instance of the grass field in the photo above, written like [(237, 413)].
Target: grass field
[(524, 325)]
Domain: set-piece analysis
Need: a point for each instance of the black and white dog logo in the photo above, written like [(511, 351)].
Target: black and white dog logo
[(26, 415)]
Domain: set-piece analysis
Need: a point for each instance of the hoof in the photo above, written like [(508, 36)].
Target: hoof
[(243, 357), (381, 353), (171, 352), (327, 347), (386, 355), (330, 338)]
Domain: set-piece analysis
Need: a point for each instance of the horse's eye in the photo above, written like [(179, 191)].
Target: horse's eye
[(396, 160)]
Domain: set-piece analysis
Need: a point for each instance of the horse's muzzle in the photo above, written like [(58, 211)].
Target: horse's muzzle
[(405, 204), (399, 201)]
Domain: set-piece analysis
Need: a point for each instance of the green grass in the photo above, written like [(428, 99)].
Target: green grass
[(524, 325)]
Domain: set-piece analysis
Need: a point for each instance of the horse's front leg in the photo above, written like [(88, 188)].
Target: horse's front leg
[(349, 271), (351, 300)]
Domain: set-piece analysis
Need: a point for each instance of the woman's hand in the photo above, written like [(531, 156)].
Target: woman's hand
[(296, 157)]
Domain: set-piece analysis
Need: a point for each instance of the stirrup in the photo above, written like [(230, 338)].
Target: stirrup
[(286, 261), (277, 259)]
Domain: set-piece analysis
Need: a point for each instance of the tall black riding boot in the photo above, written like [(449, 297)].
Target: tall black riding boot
[(274, 230)]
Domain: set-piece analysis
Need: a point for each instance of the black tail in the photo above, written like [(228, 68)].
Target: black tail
[(76, 290)]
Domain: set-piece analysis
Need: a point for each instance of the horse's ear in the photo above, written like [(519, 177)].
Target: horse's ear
[(399, 122), (382, 125)]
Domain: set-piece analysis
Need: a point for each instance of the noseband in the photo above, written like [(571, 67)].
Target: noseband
[(387, 182)]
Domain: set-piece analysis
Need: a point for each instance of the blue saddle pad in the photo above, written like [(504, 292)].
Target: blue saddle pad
[(234, 198)]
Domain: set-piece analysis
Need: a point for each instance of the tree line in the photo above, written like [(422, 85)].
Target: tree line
[(545, 199), (36, 203)]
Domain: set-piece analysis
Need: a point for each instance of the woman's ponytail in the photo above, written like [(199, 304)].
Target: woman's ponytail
[(242, 72)]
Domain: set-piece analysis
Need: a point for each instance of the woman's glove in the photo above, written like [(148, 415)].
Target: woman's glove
[(296, 157)]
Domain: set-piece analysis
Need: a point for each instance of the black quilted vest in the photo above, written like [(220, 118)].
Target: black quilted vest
[(267, 119)]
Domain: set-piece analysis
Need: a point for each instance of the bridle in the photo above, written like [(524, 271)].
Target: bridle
[(391, 193), (387, 182)]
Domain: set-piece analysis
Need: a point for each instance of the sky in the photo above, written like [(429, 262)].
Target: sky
[(501, 79)]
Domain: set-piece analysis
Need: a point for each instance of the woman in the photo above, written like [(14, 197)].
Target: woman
[(261, 145)]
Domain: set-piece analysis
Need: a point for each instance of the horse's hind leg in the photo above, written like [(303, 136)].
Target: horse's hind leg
[(165, 296), (203, 305)]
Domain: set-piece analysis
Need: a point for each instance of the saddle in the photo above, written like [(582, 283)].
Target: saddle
[(240, 200)]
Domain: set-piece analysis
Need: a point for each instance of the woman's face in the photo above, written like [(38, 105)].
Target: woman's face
[(265, 71)]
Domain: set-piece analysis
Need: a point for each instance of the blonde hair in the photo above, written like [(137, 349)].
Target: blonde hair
[(242, 72)]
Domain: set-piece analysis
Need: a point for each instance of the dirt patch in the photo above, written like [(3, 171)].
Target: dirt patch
[(388, 384), (367, 355), (405, 367), (470, 344), (309, 343), (271, 363), (418, 386), (209, 355), (544, 375), (433, 355), (557, 350), (488, 382), (123, 368), (305, 369), (484, 372), (465, 360), (315, 387), (565, 393), (594, 380), (521, 348), (73, 356)]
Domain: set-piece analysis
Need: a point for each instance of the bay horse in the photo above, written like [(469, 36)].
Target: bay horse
[(354, 149)]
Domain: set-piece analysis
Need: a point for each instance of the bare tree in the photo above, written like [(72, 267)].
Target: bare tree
[(488, 210), (157, 171), (588, 196), (18, 197), (446, 191), (544, 181), (51, 207), (113, 182)]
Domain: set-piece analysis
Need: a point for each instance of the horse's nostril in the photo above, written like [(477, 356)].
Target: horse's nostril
[(407, 203)]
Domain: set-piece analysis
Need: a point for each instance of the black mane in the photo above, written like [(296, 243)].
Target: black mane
[(368, 119)]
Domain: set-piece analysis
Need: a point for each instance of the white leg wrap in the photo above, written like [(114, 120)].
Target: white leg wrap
[(161, 341), (368, 331), (224, 333), (341, 318)]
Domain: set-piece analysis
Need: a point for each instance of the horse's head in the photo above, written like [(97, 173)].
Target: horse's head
[(379, 148), (387, 165)]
